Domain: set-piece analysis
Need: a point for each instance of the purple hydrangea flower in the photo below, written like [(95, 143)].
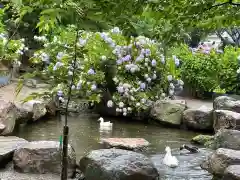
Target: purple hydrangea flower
[(126, 58), (60, 93), (91, 71), (93, 87), (140, 57), (119, 61), (82, 42), (177, 62), (206, 51), (154, 62), (142, 85), (60, 55), (148, 52)]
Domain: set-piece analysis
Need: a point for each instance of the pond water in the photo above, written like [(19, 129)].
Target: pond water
[(85, 134)]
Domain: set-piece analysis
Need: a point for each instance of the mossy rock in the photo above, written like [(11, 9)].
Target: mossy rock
[(205, 140)]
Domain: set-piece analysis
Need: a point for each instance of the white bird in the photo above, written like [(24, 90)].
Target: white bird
[(104, 124), (170, 160)]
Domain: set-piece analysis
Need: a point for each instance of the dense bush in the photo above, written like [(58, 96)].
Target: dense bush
[(206, 69), (10, 49), (139, 72)]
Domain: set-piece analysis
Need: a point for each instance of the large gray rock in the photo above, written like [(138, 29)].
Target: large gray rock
[(2, 127), (226, 138), (225, 119), (226, 103), (8, 144), (168, 111), (218, 162), (8, 116), (36, 108), (43, 157), (232, 173), (117, 164), (198, 119)]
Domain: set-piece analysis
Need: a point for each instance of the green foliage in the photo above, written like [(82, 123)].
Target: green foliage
[(88, 14), (229, 64), (10, 49), (210, 71)]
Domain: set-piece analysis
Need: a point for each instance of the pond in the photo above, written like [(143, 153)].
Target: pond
[(85, 134)]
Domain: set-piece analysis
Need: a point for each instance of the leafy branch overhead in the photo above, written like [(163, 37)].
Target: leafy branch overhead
[(91, 14)]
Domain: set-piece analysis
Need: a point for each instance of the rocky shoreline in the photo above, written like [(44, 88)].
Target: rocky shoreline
[(43, 157)]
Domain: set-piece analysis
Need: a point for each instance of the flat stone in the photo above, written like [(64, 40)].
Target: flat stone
[(125, 143), (8, 144), (232, 173)]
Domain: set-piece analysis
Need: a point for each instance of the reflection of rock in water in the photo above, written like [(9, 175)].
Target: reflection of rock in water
[(105, 132)]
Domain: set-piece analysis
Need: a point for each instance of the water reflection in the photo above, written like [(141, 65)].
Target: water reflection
[(85, 133), (105, 132)]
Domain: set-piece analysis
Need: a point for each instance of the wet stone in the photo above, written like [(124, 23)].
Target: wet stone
[(8, 144), (135, 144)]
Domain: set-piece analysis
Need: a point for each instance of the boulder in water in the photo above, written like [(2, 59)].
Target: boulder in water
[(226, 138), (8, 116), (232, 173), (198, 119), (225, 119), (117, 164), (36, 108), (218, 162), (226, 103), (2, 127), (8, 144), (43, 157), (168, 111)]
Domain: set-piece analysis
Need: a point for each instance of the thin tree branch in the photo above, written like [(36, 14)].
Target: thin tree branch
[(230, 2), (73, 76)]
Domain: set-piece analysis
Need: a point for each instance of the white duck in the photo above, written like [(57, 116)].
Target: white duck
[(170, 160), (104, 124)]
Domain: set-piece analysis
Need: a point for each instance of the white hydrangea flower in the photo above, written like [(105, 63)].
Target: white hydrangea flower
[(103, 58), (169, 77), (238, 71), (110, 103), (121, 104)]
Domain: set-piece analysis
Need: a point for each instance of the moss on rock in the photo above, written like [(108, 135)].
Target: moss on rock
[(205, 140)]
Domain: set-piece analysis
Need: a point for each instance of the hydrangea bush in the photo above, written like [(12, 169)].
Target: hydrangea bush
[(141, 75), (10, 49)]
